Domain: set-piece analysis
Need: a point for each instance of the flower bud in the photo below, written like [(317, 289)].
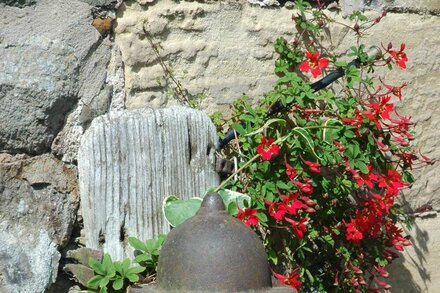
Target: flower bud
[(356, 27), (390, 45)]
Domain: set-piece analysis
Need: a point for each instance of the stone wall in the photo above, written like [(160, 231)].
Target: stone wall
[(58, 72)]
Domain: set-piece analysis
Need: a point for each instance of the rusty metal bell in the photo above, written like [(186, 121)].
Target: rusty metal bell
[(213, 251)]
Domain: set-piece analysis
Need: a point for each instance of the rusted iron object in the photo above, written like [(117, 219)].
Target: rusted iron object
[(213, 251)]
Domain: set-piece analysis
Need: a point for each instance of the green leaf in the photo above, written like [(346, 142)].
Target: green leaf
[(282, 185), (309, 275), (232, 209), (135, 270), (126, 264), (118, 266), (107, 263), (313, 234), (96, 266), (178, 211), (103, 290), (137, 244), (328, 239), (230, 196), (239, 128), (305, 136), (133, 278), (273, 257), (362, 167), (262, 217), (94, 281), (104, 282), (142, 257), (118, 283)]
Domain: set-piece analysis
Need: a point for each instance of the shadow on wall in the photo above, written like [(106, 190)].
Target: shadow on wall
[(410, 273)]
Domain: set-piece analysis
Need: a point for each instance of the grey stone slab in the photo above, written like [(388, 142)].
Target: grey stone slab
[(45, 70)]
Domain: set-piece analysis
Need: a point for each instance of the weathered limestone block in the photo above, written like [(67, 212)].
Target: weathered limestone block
[(38, 208), (219, 49), (400, 6), (45, 69), (18, 3), (412, 6), (130, 161)]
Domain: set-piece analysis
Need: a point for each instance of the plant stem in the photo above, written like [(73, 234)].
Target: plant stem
[(236, 172)]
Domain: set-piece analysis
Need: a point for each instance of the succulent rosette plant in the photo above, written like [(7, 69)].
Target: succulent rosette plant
[(325, 172)]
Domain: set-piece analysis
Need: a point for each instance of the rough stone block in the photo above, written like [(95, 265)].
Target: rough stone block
[(130, 161), (43, 58), (38, 208), (412, 6)]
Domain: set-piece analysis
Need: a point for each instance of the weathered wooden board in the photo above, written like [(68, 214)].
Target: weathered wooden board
[(130, 161)]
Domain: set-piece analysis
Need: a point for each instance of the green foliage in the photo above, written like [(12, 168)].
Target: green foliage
[(147, 253), (117, 274)]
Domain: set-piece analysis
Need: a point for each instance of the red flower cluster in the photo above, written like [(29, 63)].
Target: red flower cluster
[(369, 221), (292, 205), (314, 64), (399, 56), (267, 148), (381, 109)]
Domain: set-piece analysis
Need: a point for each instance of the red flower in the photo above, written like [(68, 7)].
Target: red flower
[(290, 171), (248, 216), (276, 210), (381, 109), (381, 270), (400, 56), (353, 234), (427, 160), (396, 90), (292, 203), (392, 182), (395, 237), (292, 279), (314, 167), (304, 187), (407, 158), (339, 145), (298, 228), (267, 148), (362, 178), (314, 64)]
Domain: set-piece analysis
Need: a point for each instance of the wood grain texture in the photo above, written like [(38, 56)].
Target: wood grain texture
[(130, 161)]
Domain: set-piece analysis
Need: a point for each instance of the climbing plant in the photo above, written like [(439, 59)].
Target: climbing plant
[(324, 167)]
